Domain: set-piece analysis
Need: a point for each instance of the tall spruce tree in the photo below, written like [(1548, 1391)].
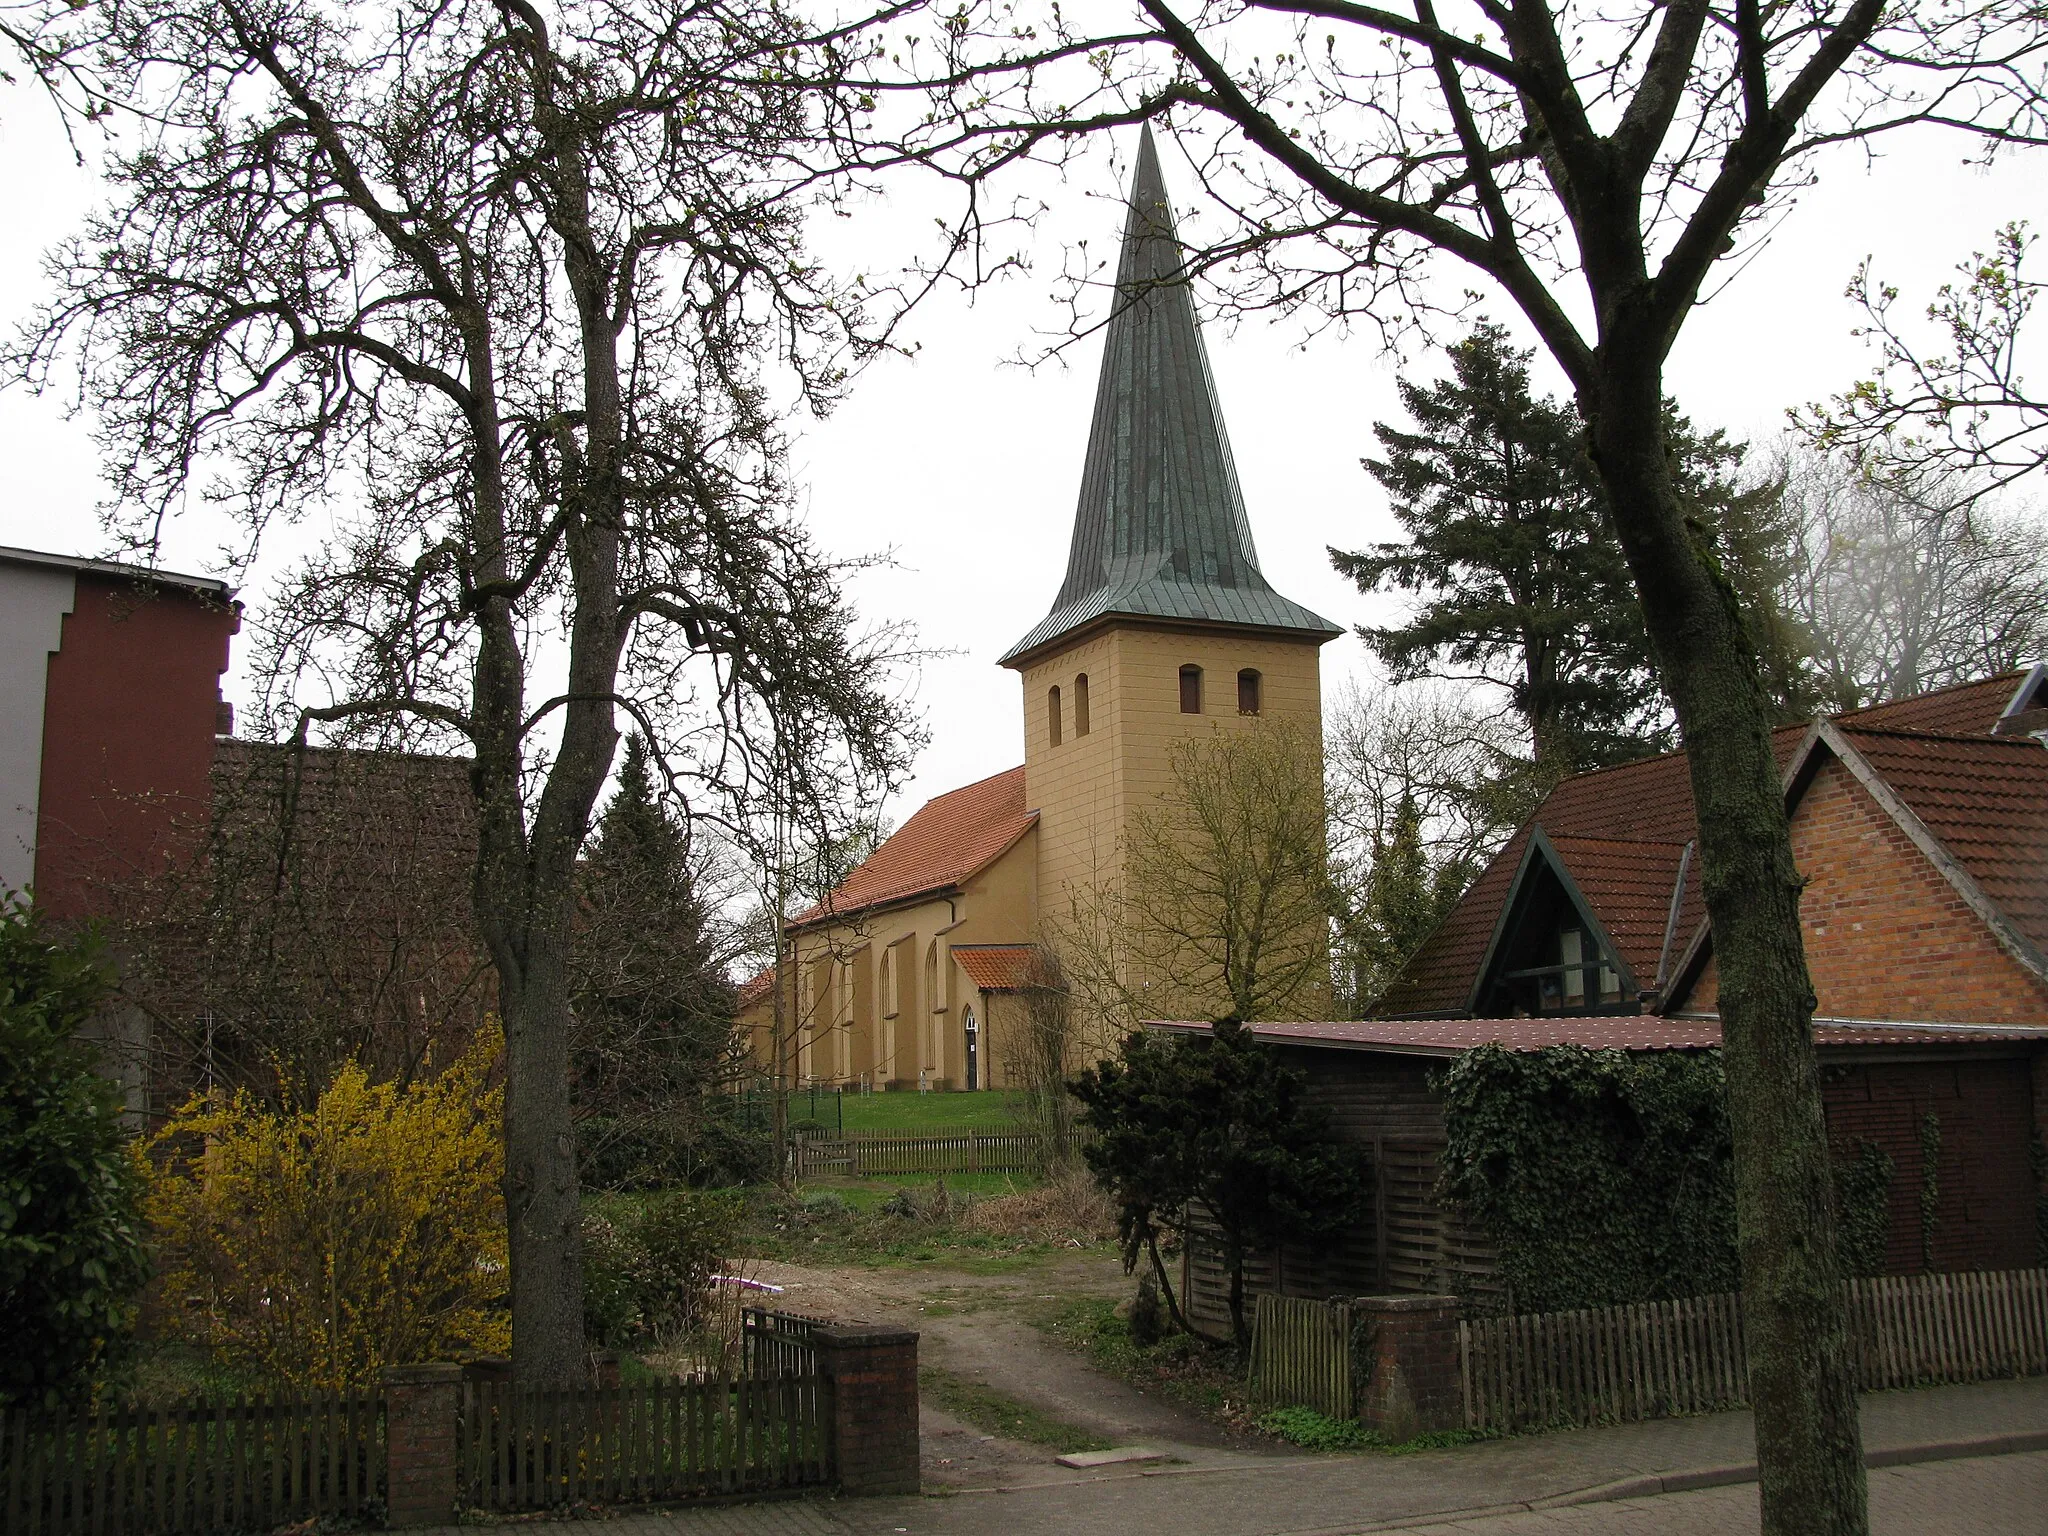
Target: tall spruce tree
[(654, 1011), (1522, 581)]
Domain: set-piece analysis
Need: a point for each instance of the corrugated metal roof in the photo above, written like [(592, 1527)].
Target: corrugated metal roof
[(1161, 530), (1645, 1032)]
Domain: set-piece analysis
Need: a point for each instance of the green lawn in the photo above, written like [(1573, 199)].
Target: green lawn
[(918, 1111)]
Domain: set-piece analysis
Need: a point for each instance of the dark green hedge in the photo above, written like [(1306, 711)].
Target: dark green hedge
[(1606, 1177)]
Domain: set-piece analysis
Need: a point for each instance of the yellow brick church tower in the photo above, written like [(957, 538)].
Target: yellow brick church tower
[(1165, 626), (912, 973)]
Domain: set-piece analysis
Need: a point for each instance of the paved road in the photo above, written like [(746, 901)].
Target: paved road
[(1986, 1496), (1991, 1496)]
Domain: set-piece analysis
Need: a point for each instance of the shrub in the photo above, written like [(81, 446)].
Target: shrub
[(647, 1264), (1605, 1177), (318, 1244), (701, 1141), (71, 1251)]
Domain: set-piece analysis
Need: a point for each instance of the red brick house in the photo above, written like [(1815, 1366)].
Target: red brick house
[(1922, 830)]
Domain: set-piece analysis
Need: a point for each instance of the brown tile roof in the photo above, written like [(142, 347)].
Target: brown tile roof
[(1986, 799), (952, 838), (1647, 1032), (1628, 884), (998, 967), (1646, 801)]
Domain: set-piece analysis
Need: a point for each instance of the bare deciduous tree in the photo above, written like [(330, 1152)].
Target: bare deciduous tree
[(1597, 165), (1907, 584), (508, 292), (1220, 902), (1959, 404)]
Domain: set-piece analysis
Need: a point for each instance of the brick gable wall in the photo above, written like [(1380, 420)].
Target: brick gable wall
[(1887, 937)]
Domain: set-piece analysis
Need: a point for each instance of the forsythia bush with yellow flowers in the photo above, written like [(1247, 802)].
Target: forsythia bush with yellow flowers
[(318, 1244)]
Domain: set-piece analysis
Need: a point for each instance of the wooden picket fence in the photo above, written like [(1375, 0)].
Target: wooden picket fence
[(521, 1449), (1609, 1364), (249, 1463), (778, 1343), (1301, 1354), (860, 1154)]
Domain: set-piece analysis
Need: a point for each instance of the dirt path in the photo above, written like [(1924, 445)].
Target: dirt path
[(973, 1327)]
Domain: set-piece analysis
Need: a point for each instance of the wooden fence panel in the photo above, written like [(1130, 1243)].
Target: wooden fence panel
[(1689, 1356), (245, 1463), (1301, 1354), (676, 1438)]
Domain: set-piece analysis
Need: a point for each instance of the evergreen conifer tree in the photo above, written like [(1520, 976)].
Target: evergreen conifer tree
[(1522, 581), (654, 1011)]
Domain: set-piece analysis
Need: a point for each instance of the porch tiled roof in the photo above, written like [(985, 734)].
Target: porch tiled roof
[(952, 838), (998, 967)]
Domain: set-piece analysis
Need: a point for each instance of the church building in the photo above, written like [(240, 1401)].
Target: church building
[(916, 971)]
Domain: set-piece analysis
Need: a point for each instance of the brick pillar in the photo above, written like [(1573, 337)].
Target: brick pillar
[(874, 1406), (420, 1404), (1411, 1381)]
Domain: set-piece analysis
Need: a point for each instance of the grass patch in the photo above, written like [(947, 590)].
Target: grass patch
[(1314, 1431), (893, 1223), (914, 1112), (1201, 1376), (159, 1373), (997, 1413)]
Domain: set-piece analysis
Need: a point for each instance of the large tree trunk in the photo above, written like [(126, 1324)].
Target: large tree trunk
[(542, 1199), (1809, 1444)]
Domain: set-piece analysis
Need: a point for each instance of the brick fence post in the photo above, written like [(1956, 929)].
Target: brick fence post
[(420, 1405), (1411, 1378), (874, 1406)]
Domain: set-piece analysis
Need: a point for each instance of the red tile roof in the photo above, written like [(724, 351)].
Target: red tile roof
[(998, 967), (1986, 799), (755, 987), (951, 839), (1628, 884), (1646, 801), (1647, 1032)]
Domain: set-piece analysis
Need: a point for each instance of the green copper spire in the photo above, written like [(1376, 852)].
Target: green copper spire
[(1161, 531)]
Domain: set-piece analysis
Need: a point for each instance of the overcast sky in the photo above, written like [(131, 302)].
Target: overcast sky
[(967, 465)]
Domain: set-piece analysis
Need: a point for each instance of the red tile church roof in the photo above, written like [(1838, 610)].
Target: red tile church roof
[(952, 838)]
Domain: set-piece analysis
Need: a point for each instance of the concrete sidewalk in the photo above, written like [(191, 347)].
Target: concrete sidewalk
[(1219, 1492)]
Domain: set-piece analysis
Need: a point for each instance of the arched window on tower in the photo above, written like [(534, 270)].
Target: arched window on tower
[(1052, 712), (1248, 691), (1191, 690), (1081, 704)]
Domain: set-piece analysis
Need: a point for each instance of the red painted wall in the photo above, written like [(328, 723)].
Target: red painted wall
[(128, 728), (1984, 1182)]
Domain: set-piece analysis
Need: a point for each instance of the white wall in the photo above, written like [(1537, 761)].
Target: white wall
[(33, 602)]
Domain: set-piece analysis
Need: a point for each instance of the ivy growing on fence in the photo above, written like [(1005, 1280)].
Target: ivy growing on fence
[(1607, 1177)]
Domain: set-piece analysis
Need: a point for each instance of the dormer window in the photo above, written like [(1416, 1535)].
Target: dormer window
[(1052, 712), (1248, 691), (1081, 704), (1191, 690), (1550, 953)]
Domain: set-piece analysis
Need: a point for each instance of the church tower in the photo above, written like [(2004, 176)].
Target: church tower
[(1165, 626)]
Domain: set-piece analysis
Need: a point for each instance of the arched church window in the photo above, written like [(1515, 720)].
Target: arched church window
[(1191, 690), (1081, 704), (1248, 691), (1052, 712)]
